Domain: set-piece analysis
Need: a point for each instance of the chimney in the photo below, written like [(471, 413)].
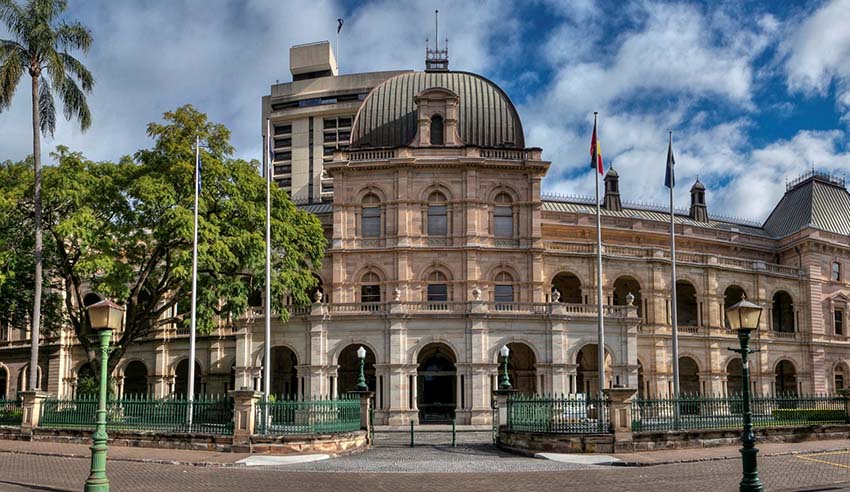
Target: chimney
[(699, 210), (612, 191)]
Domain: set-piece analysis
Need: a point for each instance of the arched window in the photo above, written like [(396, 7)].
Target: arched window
[(569, 286), (437, 215), (437, 131), (438, 288), (503, 290), (370, 288), (840, 377), (686, 303), (731, 296), (503, 216), (91, 298), (371, 216), (782, 312)]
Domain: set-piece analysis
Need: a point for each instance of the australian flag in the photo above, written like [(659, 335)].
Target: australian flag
[(670, 178)]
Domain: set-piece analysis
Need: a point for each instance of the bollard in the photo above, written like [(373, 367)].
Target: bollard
[(371, 424), (411, 433), (454, 434)]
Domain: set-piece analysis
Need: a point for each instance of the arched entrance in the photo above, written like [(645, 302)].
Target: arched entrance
[(569, 286), (786, 378), (783, 312), (624, 286), (436, 384), (521, 368), (686, 303), (4, 382), (24, 378), (136, 379), (284, 373), (348, 369), (587, 372), (734, 377), (688, 376), (641, 389), (181, 379)]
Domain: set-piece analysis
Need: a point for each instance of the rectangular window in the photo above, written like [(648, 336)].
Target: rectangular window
[(344, 136), (283, 155), (371, 226), (283, 169), (344, 122), (437, 223), (504, 293), (503, 222), (370, 293), (282, 129), (330, 137), (839, 382), (328, 151), (438, 293), (329, 123), (836, 271), (838, 316), (282, 142), (284, 183)]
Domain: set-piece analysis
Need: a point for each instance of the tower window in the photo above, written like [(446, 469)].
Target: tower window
[(503, 216), (836, 271), (437, 137), (838, 316), (437, 215), (371, 217)]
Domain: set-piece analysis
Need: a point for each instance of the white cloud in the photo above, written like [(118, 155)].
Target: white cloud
[(817, 54)]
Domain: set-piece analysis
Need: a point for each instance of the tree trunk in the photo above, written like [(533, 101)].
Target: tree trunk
[(35, 383)]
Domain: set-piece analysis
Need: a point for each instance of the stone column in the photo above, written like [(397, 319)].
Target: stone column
[(500, 399), (365, 407), (244, 417), (620, 412), (32, 410)]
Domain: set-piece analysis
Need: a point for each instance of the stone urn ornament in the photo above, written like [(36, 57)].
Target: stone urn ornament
[(630, 299), (476, 293), (556, 295), (396, 294), (317, 297)]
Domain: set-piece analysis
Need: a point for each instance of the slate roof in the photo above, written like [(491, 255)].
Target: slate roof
[(654, 213), (819, 201), (486, 115)]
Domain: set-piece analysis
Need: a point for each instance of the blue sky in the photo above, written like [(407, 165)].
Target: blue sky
[(755, 92)]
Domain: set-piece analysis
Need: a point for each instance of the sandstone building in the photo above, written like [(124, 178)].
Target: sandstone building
[(442, 249)]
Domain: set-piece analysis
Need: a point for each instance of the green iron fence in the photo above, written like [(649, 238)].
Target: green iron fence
[(725, 412), (308, 416), (565, 414), (209, 414), (11, 412)]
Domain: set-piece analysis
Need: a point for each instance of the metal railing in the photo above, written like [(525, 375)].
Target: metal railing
[(565, 414), (725, 412), (308, 416), (11, 412), (209, 414)]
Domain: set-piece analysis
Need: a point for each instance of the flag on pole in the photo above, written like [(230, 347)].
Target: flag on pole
[(670, 177), (339, 27), (596, 151)]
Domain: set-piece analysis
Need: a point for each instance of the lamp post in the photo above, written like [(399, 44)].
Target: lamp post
[(505, 382), (104, 316), (744, 318), (361, 378)]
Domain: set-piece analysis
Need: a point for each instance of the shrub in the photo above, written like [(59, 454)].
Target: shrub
[(809, 415)]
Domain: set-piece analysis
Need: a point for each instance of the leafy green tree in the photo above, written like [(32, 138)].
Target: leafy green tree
[(40, 47), (125, 231)]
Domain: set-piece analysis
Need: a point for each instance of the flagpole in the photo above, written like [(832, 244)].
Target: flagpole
[(600, 315), (267, 360), (194, 316), (673, 308)]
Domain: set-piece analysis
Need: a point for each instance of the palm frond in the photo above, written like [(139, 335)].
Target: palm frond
[(72, 36), (74, 103), (46, 109), (78, 70), (48, 9), (12, 15), (11, 71)]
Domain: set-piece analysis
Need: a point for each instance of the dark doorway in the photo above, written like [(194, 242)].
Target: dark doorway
[(349, 369), (181, 379), (136, 379), (436, 384)]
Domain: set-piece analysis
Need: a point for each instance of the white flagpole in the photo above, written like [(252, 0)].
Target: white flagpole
[(674, 318), (267, 361), (600, 315), (193, 324)]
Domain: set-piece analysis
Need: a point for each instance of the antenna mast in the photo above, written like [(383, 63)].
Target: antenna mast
[(437, 60)]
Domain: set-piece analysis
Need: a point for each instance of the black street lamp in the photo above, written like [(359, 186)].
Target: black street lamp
[(744, 318)]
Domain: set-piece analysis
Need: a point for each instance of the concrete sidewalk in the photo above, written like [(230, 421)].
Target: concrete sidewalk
[(648, 458), (123, 453)]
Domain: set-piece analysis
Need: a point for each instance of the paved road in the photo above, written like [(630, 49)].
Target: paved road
[(817, 472)]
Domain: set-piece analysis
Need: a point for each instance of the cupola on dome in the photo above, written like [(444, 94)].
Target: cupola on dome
[(486, 117)]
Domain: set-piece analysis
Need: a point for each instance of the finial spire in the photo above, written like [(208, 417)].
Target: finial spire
[(437, 60)]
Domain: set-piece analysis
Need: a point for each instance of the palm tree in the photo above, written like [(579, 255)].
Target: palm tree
[(40, 46)]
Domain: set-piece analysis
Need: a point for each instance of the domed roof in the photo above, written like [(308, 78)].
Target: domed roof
[(486, 115), (698, 186), (612, 173)]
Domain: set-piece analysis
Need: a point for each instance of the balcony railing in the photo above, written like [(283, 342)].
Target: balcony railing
[(681, 257)]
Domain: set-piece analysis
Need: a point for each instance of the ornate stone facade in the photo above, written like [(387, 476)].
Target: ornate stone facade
[(441, 252)]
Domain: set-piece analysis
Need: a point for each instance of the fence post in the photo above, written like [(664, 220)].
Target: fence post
[(411, 434), (365, 410), (244, 415), (620, 413), (845, 394), (31, 406), (500, 399)]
